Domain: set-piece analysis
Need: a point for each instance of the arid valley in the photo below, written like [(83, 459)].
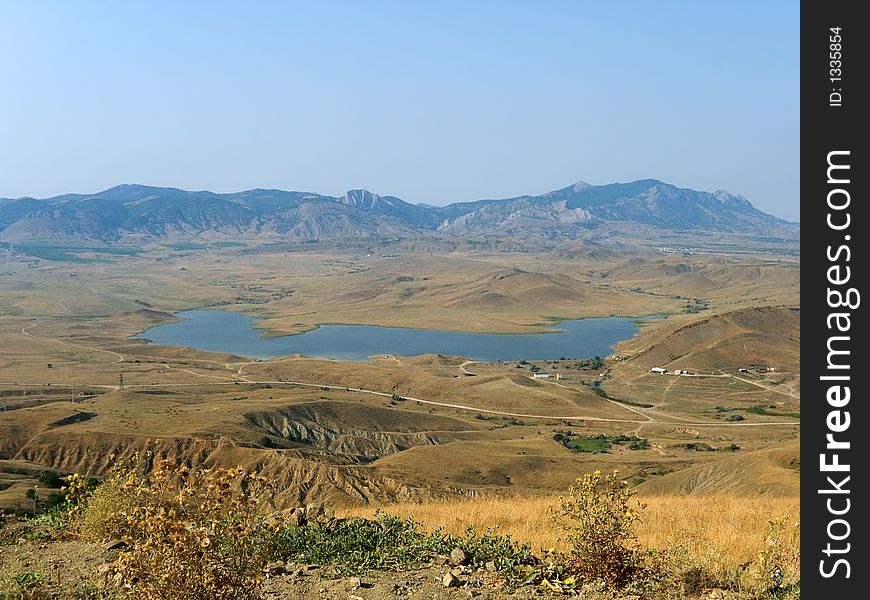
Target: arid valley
[(392, 300), (339, 435), (700, 407)]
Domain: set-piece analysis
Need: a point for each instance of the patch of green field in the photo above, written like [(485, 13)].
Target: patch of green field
[(198, 246), (599, 442), (71, 253), (593, 445), (186, 246)]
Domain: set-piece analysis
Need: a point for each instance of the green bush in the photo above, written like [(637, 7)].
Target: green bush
[(639, 444), (51, 479), (356, 545), (28, 585)]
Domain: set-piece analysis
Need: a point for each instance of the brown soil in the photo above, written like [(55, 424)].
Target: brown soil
[(72, 569)]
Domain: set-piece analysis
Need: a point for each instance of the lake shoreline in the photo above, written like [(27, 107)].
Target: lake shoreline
[(239, 334)]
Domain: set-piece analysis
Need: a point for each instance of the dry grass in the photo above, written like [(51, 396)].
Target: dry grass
[(727, 530), (722, 532)]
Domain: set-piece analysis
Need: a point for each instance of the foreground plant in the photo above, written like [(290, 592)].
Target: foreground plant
[(194, 535), (190, 534), (28, 585), (599, 521), (777, 570), (356, 545), (200, 534)]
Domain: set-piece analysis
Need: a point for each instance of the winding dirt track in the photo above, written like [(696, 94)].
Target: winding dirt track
[(767, 387), (24, 331)]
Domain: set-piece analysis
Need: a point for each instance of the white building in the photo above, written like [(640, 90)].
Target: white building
[(659, 370)]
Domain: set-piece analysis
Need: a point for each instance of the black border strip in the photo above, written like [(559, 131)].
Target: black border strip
[(833, 219)]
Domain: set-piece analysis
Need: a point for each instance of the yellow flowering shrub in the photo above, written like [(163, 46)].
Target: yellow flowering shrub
[(194, 534), (598, 519), (77, 489), (100, 512), (190, 534)]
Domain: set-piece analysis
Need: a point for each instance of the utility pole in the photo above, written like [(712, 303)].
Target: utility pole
[(120, 381)]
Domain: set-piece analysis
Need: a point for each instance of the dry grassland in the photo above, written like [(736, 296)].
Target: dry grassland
[(723, 530)]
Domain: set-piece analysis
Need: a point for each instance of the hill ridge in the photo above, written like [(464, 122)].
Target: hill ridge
[(131, 210)]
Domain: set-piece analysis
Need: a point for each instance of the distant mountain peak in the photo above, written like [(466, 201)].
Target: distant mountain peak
[(358, 194), (363, 199), (134, 212), (125, 186), (134, 187)]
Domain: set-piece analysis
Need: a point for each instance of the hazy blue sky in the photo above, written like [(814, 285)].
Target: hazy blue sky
[(430, 101)]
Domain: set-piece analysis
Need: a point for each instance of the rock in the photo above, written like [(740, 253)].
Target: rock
[(456, 571), (297, 517), (716, 595), (276, 568), (490, 566), (458, 557), (325, 516), (472, 593), (449, 580), (440, 560), (104, 568), (354, 582), (312, 511), (288, 516), (114, 545)]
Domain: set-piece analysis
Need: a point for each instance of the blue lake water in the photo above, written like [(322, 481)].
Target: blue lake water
[(219, 331)]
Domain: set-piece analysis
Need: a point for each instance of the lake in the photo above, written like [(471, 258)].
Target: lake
[(220, 331)]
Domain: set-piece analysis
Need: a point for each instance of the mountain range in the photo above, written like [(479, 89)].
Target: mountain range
[(138, 213)]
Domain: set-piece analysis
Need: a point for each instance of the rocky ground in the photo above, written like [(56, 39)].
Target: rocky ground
[(71, 569)]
